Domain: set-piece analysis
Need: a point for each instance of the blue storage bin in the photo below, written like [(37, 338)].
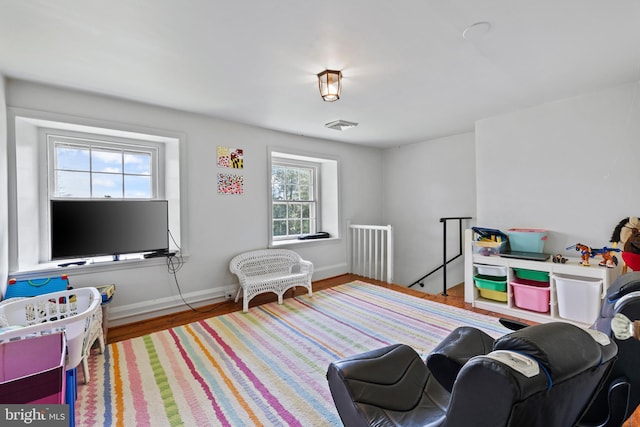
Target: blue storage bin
[(34, 287)]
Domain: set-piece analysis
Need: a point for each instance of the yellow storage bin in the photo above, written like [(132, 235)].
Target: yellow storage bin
[(494, 295)]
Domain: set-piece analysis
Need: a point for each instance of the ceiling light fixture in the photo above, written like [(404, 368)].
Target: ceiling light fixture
[(341, 125), (330, 84)]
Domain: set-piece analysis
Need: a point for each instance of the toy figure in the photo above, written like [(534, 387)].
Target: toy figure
[(627, 232), (559, 259), (608, 259)]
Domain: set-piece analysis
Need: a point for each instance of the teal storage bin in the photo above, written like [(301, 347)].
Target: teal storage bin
[(527, 239)]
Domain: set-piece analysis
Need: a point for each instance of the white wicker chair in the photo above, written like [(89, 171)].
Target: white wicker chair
[(96, 333), (270, 270)]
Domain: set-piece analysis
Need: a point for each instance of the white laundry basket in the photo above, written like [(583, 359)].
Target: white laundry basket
[(70, 311)]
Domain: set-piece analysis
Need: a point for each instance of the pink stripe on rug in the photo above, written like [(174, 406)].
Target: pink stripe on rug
[(135, 382), (273, 401), (188, 393), (205, 387)]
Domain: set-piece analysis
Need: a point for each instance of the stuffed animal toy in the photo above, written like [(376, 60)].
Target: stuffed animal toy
[(627, 232)]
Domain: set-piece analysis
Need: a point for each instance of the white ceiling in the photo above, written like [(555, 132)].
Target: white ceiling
[(409, 75)]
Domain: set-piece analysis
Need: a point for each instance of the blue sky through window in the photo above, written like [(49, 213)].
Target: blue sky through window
[(85, 171)]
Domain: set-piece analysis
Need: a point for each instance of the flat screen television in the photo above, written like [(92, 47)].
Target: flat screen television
[(89, 228)]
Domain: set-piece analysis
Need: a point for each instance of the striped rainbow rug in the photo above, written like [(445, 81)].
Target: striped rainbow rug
[(264, 368)]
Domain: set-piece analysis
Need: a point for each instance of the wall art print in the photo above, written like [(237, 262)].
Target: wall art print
[(230, 183), (230, 157)]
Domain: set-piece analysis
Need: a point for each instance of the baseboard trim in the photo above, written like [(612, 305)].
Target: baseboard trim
[(130, 313), (136, 312)]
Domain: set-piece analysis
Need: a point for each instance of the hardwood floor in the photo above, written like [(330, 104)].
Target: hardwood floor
[(455, 297)]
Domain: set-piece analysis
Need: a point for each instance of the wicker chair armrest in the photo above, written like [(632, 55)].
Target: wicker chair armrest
[(306, 266)]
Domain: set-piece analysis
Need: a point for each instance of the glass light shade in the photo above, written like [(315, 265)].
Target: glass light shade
[(330, 84)]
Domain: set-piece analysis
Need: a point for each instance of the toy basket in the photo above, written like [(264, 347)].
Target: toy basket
[(69, 311), (34, 287)]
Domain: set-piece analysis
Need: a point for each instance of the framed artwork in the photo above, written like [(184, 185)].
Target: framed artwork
[(231, 157), (230, 183)]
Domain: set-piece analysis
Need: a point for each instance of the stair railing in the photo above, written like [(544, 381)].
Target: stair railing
[(444, 253)]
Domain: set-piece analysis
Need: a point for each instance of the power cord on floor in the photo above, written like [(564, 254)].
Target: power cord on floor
[(174, 264)]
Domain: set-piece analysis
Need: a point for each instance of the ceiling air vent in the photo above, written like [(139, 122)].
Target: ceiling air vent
[(341, 125)]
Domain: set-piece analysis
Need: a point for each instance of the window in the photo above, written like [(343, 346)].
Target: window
[(304, 196), (101, 169), (294, 198), (76, 159)]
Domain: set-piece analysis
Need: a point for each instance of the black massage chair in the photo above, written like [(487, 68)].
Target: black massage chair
[(540, 376), (621, 395), (470, 379)]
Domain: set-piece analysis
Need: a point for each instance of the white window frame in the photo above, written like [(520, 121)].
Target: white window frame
[(108, 143), (314, 214), (327, 194), (29, 177)]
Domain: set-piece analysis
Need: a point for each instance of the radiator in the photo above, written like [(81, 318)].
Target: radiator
[(371, 251)]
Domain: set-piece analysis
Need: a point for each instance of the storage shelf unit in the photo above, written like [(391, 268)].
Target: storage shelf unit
[(571, 268)]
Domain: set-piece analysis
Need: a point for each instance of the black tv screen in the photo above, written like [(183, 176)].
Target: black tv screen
[(87, 228)]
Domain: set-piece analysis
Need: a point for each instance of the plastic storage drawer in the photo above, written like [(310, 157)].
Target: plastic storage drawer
[(491, 270), (539, 276), (578, 298), (490, 283), (531, 296), (494, 295), (32, 370)]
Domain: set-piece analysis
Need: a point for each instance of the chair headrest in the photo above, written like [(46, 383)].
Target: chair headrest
[(562, 349)]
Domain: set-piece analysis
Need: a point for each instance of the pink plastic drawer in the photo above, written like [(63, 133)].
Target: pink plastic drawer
[(32, 370), (535, 298)]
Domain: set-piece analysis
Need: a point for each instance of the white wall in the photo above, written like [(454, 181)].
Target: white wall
[(4, 227), (570, 166), (422, 183), (218, 226)]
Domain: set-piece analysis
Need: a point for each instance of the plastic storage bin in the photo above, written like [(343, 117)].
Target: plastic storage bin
[(531, 295), (491, 270), (71, 311), (31, 288), (32, 370), (494, 295), (527, 239), (491, 283), (539, 276), (578, 298), (487, 247)]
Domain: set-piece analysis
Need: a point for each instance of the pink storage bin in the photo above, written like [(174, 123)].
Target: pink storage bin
[(531, 297), (32, 370)]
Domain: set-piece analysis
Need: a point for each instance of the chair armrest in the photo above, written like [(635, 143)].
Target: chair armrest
[(306, 266)]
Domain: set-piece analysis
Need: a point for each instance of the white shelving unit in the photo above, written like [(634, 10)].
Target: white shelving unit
[(571, 268)]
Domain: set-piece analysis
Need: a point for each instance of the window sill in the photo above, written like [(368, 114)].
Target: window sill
[(297, 242), (52, 268)]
